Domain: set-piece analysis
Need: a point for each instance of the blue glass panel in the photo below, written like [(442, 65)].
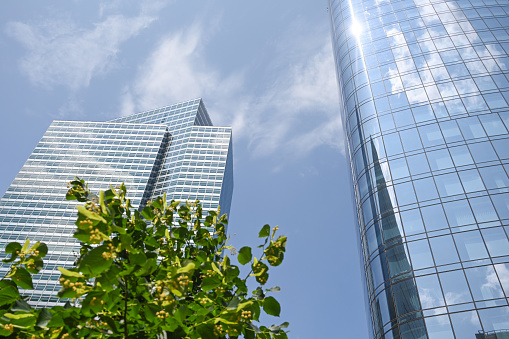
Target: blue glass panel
[(482, 152), (492, 124), (484, 283), (413, 330), (461, 156), (405, 193), (448, 184), (439, 327), (430, 292), (502, 148), (503, 275), (470, 245), (465, 324), (399, 168), (495, 319), (418, 164), (412, 222), (451, 131), (425, 189), (434, 217), (459, 213), (483, 209), (471, 128), (440, 159), (431, 135), (444, 250), (392, 144), (410, 139), (496, 241), (494, 177), (454, 285), (501, 202), (471, 181), (420, 254)]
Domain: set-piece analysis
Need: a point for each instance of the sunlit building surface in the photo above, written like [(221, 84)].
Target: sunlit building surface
[(424, 97), (174, 149)]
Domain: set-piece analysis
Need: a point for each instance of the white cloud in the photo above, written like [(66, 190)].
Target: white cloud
[(61, 53), (296, 112)]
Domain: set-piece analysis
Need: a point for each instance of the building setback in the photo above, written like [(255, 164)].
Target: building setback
[(174, 149), (424, 91)]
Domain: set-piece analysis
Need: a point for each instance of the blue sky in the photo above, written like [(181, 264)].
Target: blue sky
[(264, 68)]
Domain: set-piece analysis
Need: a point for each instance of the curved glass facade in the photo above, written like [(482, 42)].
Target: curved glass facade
[(424, 86)]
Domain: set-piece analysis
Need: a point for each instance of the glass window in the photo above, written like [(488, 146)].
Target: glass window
[(418, 164), (501, 147), (386, 122), (439, 327), (471, 181), (483, 209), (455, 107), (420, 254), (398, 100), (484, 283), (492, 124), (377, 271), (494, 177), (434, 217), (448, 184), (451, 131), (495, 100), (392, 144), (405, 193), (412, 222), (440, 159), (410, 139), (482, 151), (413, 329), (425, 189), (471, 128), (423, 113), (503, 275), (399, 168), (465, 324), (406, 297), (461, 156), (430, 292), (496, 241), (397, 258), (495, 319), (459, 213), (403, 118), (501, 202), (431, 135), (470, 245), (455, 287), (444, 250)]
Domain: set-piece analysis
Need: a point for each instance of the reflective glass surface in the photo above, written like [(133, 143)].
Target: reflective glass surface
[(424, 86)]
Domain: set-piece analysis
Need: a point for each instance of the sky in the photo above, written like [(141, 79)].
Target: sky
[(264, 68)]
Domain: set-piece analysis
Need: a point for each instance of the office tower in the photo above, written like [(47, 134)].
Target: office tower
[(174, 149), (424, 97)]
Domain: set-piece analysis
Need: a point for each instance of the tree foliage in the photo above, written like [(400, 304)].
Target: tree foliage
[(159, 272)]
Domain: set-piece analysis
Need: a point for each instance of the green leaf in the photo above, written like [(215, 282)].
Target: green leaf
[(8, 295), (21, 319), (284, 325), (233, 304), (210, 283), (14, 248), (70, 273), (43, 250), (264, 232), (22, 278), (25, 246), (188, 268), (274, 289), (138, 258), (101, 202), (271, 306), (244, 255), (21, 305), (90, 215), (148, 213), (93, 262), (44, 318)]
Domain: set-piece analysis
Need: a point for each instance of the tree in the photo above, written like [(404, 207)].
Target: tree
[(162, 272)]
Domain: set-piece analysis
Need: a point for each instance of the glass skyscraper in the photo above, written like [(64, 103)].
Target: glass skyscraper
[(174, 149), (424, 97)]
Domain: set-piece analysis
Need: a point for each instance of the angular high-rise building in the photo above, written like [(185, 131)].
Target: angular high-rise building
[(174, 149), (424, 91)]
